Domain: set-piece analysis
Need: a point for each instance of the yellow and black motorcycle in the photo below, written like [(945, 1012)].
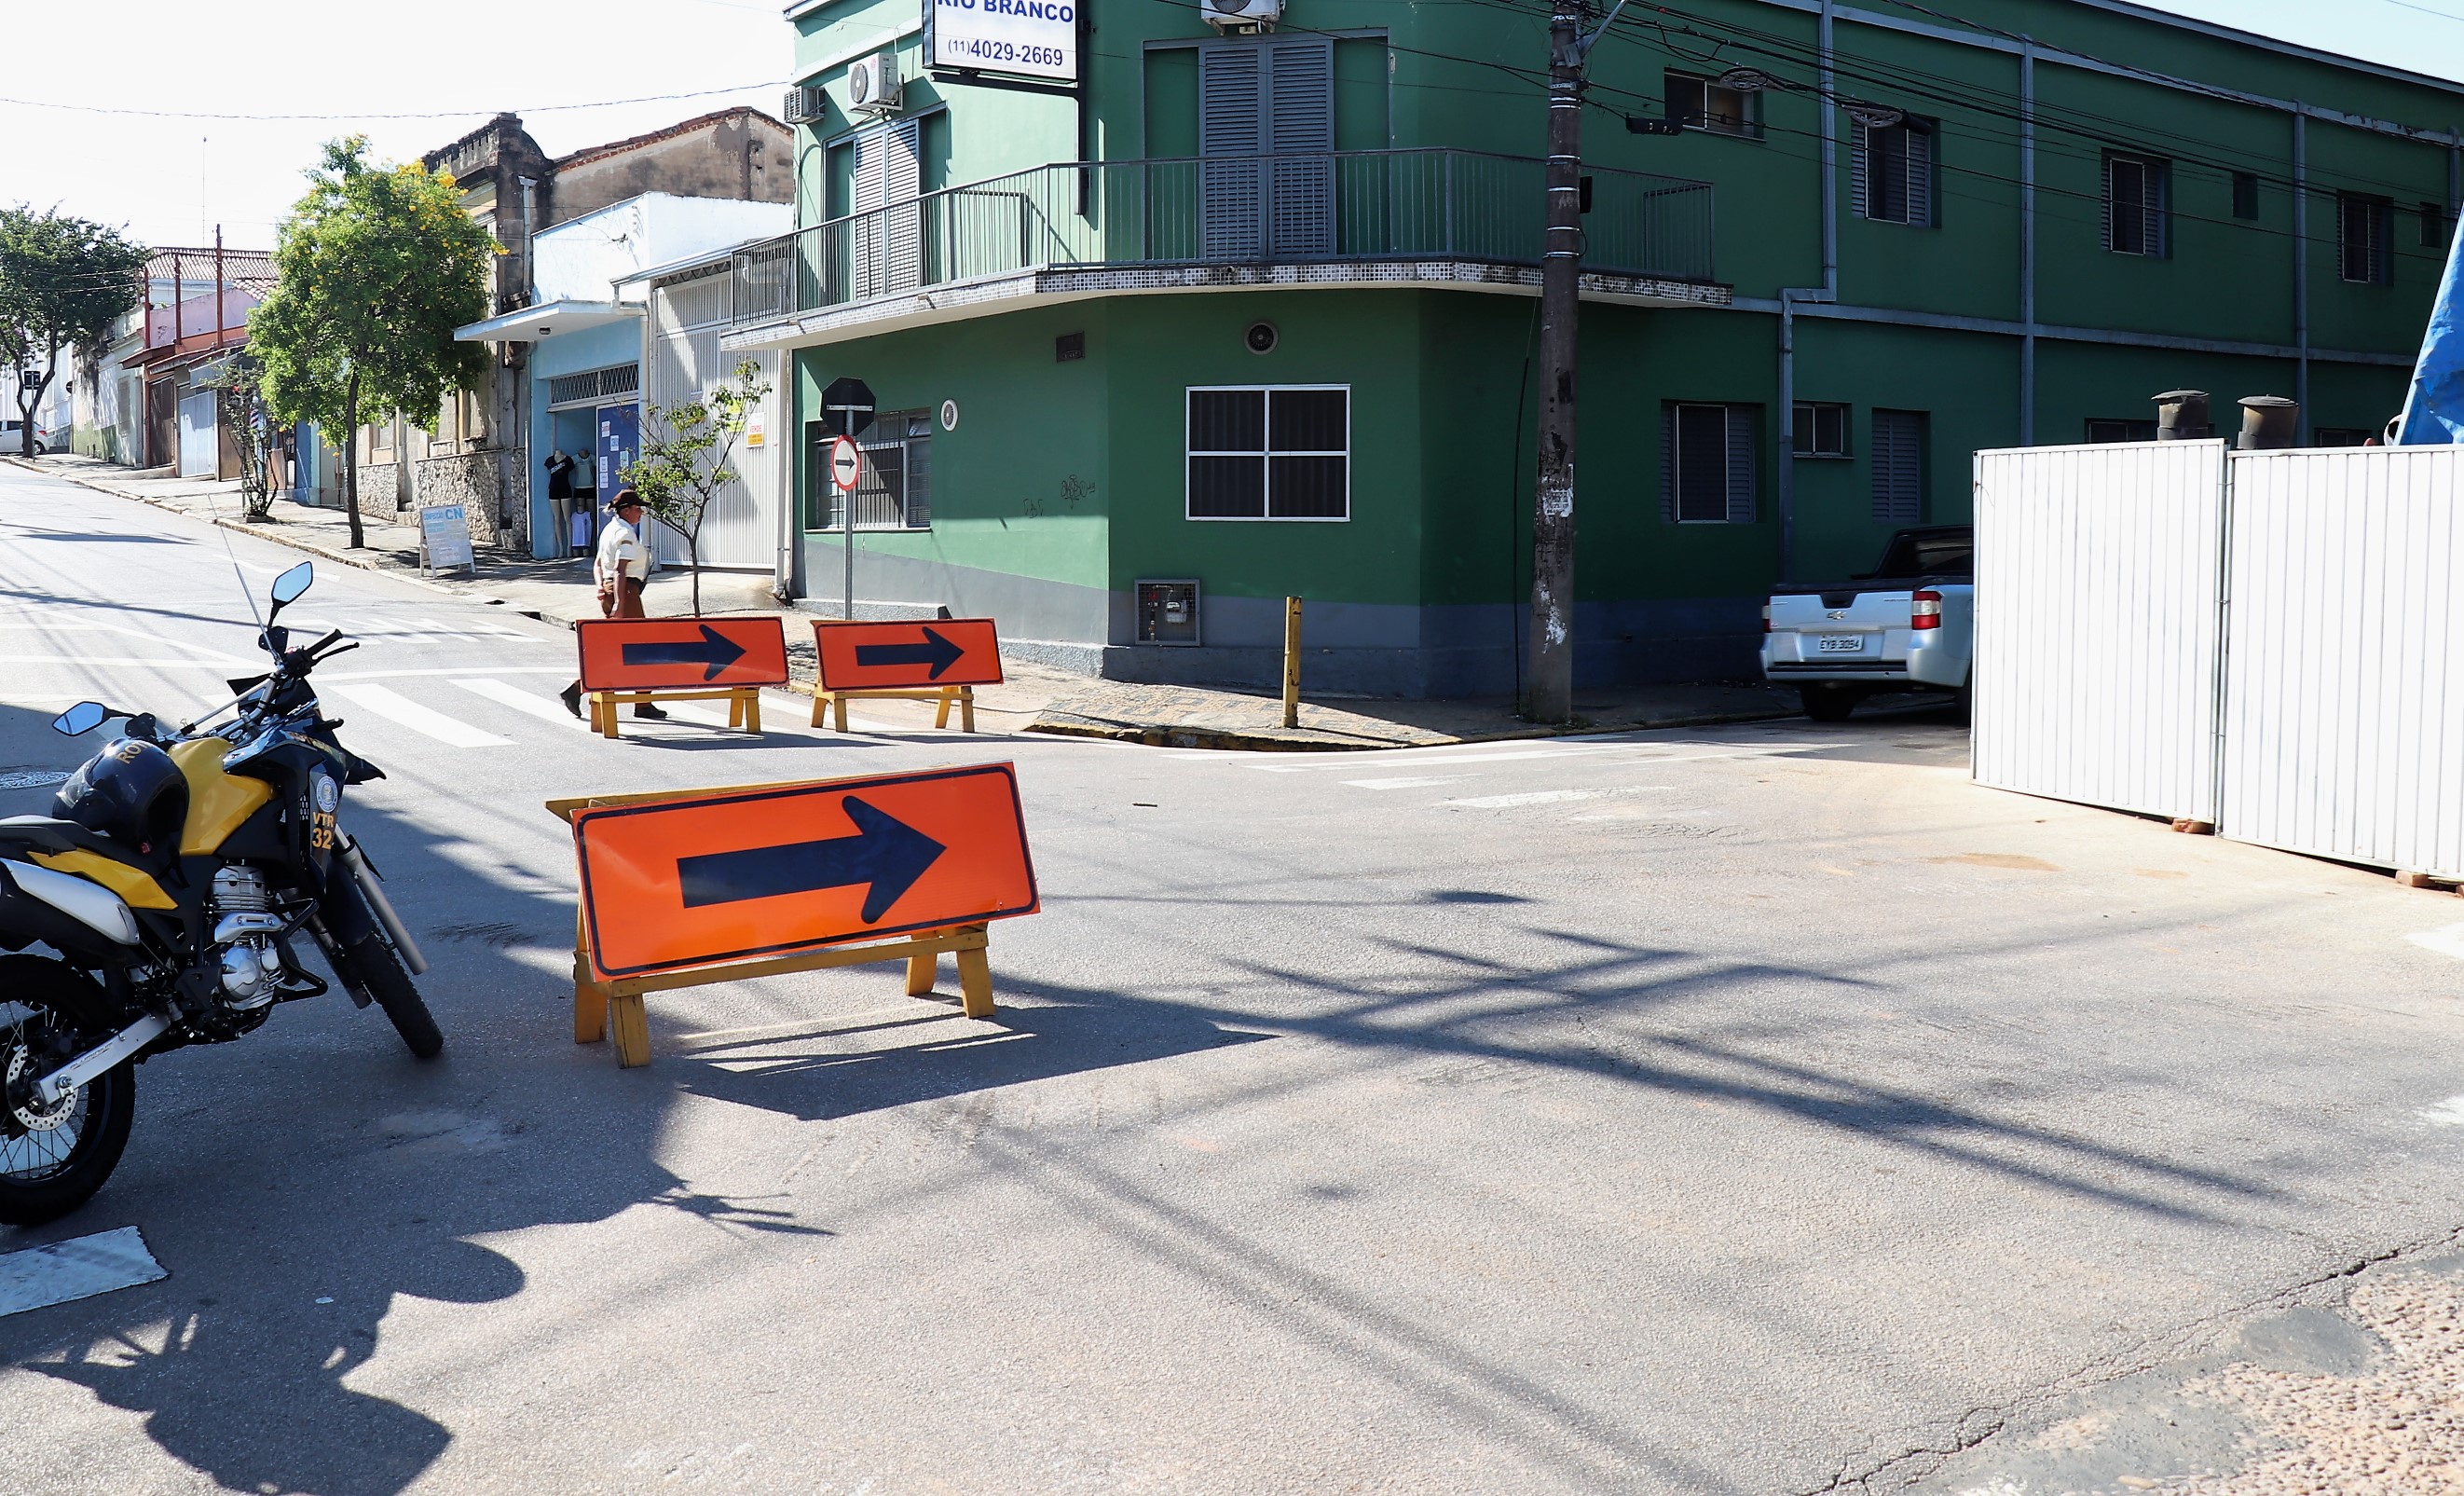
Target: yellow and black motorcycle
[(168, 884)]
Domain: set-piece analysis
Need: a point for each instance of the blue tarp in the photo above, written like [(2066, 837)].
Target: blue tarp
[(2433, 408)]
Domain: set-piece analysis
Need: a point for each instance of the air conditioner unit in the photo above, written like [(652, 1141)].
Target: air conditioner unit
[(807, 104), (1241, 15), (872, 84)]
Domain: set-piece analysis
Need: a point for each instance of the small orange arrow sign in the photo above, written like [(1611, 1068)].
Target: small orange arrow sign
[(681, 653), (935, 652)]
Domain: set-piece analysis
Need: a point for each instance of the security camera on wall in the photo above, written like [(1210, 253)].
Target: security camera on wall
[(1241, 15)]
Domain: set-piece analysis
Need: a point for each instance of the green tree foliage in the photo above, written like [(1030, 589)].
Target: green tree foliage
[(684, 459), (375, 268), (63, 282)]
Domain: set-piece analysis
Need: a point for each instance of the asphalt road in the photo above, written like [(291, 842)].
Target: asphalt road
[(1736, 1111)]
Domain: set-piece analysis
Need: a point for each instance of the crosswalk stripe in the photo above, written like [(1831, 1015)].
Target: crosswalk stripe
[(1548, 797), (391, 704), (507, 694), (1408, 783)]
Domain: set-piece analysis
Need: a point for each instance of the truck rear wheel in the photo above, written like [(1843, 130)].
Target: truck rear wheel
[(1829, 703)]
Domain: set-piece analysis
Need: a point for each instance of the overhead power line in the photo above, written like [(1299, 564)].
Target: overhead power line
[(336, 118)]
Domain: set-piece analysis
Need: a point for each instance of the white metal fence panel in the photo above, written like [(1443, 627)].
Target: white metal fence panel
[(2344, 701), (741, 529), (2097, 623)]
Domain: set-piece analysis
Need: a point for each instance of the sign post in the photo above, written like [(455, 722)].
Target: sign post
[(685, 888), (846, 471)]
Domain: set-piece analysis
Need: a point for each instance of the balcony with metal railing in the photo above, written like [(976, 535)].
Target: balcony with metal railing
[(1424, 217)]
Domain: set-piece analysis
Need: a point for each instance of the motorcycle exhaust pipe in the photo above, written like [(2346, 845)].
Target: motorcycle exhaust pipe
[(367, 877)]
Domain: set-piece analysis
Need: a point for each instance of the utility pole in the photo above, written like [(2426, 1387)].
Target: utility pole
[(1550, 694)]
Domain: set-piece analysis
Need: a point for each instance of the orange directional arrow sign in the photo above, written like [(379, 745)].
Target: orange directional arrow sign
[(681, 653), (721, 876), (939, 652)]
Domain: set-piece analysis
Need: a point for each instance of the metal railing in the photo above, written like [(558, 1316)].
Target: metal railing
[(1326, 207)]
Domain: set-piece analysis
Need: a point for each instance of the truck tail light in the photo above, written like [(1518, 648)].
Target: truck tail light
[(1767, 617), (1924, 608)]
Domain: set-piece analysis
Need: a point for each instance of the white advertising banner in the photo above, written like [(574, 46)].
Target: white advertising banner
[(1031, 39)]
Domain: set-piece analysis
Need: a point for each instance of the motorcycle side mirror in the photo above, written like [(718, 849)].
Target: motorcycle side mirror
[(81, 719), (293, 584)]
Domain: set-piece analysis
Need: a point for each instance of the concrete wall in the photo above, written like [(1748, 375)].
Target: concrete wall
[(740, 154)]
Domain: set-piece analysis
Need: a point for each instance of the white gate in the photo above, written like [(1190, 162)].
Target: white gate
[(2096, 624), (2344, 716), (199, 443), (742, 528)]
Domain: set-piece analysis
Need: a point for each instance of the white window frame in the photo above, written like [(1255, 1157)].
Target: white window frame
[(1267, 454)]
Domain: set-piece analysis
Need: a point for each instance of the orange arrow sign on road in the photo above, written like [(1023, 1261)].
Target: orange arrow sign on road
[(681, 653), (921, 654), (718, 875)]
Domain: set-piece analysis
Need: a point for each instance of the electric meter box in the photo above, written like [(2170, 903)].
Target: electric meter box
[(1167, 612)]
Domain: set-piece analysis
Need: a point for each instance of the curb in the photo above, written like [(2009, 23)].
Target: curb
[(1264, 743)]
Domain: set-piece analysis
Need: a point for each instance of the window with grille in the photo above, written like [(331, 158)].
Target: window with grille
[(1891, 172), (2434, 225), (1706, 468), (1819, 430), (1270, 453), (2341, 435), (2245, 193), (1701, 103), (2362, 227), (2120, 430), (893, 489), (2137, 206), (592, 386), (1899, 466)]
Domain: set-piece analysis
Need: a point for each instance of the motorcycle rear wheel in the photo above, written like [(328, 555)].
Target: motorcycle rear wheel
[(380, 972), (53, 1159)]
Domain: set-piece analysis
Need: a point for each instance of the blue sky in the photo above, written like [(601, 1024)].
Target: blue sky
[(168, 181)]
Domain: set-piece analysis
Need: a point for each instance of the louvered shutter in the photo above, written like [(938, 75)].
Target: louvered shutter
[(1741, 464), (1860, 150), (1702, 467), (1299, 131), (1668, 463), (1231, 124), (1920, 169), (1898, 478), (886, 252)]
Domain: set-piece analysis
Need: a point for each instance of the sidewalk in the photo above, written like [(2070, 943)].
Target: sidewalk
[(1034, 697)]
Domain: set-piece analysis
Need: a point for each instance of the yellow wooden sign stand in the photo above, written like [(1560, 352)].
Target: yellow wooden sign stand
[(962, 696), (744, 706), (597, 1006)]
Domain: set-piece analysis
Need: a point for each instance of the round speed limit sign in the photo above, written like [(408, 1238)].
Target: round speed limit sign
[(846, 465)]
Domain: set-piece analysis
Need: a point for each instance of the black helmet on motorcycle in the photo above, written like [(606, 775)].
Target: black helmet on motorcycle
[(131, 792)]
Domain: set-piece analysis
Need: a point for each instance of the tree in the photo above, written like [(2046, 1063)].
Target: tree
[(241, 405), (685, 452), (374, 269), (63, 282)]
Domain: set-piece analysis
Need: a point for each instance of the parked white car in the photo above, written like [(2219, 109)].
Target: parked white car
[(13, 438), (1907, 624)]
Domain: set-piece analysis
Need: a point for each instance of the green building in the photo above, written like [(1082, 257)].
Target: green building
[(1251, 304)]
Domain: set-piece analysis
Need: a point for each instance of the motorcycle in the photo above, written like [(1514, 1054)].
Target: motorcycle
[(175, 871)]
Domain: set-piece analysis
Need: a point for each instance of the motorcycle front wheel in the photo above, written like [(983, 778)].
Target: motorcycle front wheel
[(377, 971), (53, 1157)]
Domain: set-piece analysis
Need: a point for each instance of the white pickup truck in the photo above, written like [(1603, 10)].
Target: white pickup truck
[(1907, 624)]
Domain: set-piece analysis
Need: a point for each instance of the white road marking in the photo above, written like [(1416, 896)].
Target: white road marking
[(1422, 758), (65, 1271), (1537, 797), (548, 709), (691, 711), (2447, 1113), (493, 669), (80, 660), (393, 705), (2445, 941), (1421, 783)]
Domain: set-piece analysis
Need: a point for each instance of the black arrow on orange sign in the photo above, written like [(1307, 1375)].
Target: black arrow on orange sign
[(713, 649), (885, 852), (936, 650)]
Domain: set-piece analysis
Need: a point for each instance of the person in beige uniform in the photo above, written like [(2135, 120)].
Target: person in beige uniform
[(622, 569)]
